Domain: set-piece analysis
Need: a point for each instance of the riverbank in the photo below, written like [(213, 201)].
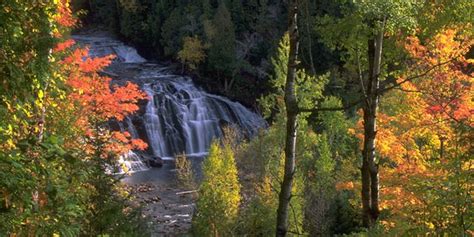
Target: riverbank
[(168, 206)]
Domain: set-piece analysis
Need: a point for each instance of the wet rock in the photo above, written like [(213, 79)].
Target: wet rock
[(156, 162), (155, 199), (144, 188)]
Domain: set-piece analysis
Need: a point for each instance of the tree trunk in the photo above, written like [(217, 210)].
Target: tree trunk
[(365, 188), (310, 41), (291, 117), (370, 167)]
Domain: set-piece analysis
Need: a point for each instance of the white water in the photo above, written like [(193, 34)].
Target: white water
[(130, 163), (179, 117), (102, 46)]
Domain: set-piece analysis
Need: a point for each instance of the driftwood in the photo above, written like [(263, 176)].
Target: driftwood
[(186, 192)]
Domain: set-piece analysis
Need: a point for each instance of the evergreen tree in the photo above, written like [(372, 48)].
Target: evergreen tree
[(222, 56), (171, 32), (238, 16), (206, 9)]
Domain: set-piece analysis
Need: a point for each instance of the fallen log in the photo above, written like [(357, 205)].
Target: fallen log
[(186, 192)]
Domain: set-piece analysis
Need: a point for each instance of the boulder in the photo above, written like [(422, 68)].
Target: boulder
[(155, 162)]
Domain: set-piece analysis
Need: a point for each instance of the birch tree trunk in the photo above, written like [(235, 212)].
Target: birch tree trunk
[(370, 167), (291, 122)]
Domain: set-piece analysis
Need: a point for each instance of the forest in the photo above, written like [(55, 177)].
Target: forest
[(236, 118)]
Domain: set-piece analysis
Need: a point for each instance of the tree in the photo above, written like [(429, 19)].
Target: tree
[(93, 101), (262, 161), (258, 217), (133, 24), (425, 139), (171, 32), (46, 164), (221, 36), (304, 91), (192, 53), (219, 194), (328, 210), (98, 102), (31, 154), (291, 105), (377, 27)]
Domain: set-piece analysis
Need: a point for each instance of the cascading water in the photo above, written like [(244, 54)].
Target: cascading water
[(178, 117), (103, 45), (130, 162)]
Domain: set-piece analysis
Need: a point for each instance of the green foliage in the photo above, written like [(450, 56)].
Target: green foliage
[(259, 216), (336, 125), (319, 189), (32, 185), (25, 42), (320, 156), (192, 53), (239, 35), (221, 36), (309, 89), (104, 11), (359, 23), (184, 171), (47, 185), (109, 211), (443, 14), (328, 211), (219, 194), (133, 24), (171, 32), (263, 160), (20, 189)]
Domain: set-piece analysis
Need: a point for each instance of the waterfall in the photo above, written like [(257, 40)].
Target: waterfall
[(178, 117), (102, 45), (181, 118), (131, 128), (130, 162)]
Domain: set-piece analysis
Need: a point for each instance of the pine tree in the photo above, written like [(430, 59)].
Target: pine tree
[(171, 32), (222, 57)]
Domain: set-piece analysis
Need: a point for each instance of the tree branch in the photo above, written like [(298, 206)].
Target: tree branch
[(377, 93), (385, 89)]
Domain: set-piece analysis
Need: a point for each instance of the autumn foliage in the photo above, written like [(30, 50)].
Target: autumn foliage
[(54, 110), (422, 140), (99, 100)]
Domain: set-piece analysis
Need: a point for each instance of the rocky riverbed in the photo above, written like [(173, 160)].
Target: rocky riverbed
[(166, 204)]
